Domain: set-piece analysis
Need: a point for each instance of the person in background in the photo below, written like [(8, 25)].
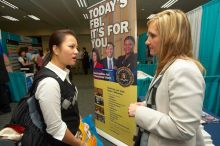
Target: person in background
[(4, 95), (26, 65), (79, 64), (129, 59), (62, 122), (30, 53), (171, 114), (109, 62), (39, 59), (96, 59), (85, 61)]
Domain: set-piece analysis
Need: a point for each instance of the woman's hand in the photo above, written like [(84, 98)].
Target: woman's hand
[(132, 109), (141, 103)]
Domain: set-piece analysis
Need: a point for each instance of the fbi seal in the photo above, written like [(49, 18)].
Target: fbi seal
[(124, 76)]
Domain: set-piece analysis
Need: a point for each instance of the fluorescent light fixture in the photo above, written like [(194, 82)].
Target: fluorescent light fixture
[(96, 4), (172, 3), (8, 4), (81, 3), (151, 16), (85, 3), (78, 3), (34, 17), (169, 3), (10, 18), (85, 16)]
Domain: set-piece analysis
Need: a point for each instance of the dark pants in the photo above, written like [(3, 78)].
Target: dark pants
[(4, 98), (85, 66)]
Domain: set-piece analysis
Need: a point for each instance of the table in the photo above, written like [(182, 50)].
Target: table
[(214, 130)]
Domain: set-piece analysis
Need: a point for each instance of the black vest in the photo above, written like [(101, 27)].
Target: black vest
[(25, 60), (71, 115)]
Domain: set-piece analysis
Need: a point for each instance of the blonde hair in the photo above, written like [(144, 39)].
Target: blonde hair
[(175, 37)]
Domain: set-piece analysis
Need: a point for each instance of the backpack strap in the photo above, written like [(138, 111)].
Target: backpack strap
[(44, 73), (34, 106)]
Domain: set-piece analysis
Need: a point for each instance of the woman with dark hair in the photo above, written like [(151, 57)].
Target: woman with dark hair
[(26, 65), (61, 119), (129, 59), (96, 60)]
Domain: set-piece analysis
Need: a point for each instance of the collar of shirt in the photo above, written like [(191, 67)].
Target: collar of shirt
[(108, 58), (63, 74)]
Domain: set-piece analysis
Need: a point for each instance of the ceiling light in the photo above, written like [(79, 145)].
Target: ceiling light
[(85, 3), (34, 17), (8, 4), (169, 3), (10, 18), (151, 16), (78, 3), (81, 3), (96, 4)]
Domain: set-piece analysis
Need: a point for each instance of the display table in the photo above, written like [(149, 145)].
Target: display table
[(143, 83), (214, 130), (19, 85)]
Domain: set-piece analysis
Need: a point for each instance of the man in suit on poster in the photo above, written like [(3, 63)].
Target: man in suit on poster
[(109, 62)]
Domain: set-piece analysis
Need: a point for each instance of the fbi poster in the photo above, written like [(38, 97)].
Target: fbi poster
[(114, 57)]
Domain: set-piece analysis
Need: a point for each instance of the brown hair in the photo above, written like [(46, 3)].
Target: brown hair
[(22, 49), (97, 54)]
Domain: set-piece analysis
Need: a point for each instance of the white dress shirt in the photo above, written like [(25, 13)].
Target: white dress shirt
[(49, 96), (108, 61)]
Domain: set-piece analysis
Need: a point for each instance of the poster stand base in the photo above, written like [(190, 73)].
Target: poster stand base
[(110, 138)]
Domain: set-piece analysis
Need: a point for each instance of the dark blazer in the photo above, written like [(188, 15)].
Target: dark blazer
[(105, 63), (130, 62), (3, 72)]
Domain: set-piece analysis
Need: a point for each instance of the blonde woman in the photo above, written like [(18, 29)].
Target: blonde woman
[(170, 116)]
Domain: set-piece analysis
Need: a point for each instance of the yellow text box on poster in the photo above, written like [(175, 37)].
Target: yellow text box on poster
[(111, 108)]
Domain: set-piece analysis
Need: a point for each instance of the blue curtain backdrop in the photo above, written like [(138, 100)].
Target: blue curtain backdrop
[(212, 94), (142, 48), (209, 54)]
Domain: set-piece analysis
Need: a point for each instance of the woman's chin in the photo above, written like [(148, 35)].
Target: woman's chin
[(152, 53), (73, 63)]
